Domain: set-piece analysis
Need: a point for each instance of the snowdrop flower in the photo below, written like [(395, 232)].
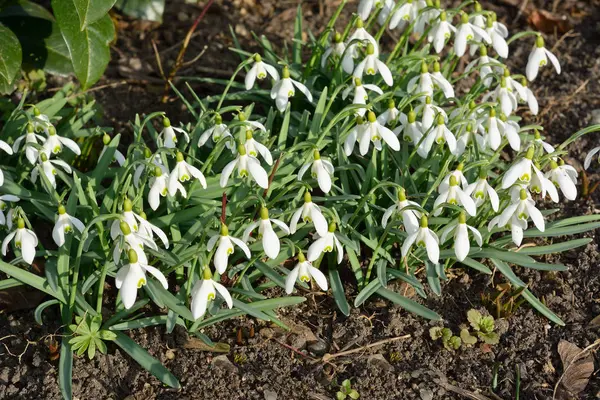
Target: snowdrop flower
[(564, 177), (3, 199), (321, 169), (251, 124), (309, 212), (548, 148), (499, 27), (270, 240), (138, 224), (517, 215), (375, 132), (361, 35), (118, 156), (245, 165), (253, 148), (159, 187), (504, 96), (54, 143), (132, 277), (480, 191), (425, 82), (469, 136), (304, 271), (486, 66), (497, 39), (412, 131), (429, 16), (168, 136), (462, 245), (217, 132), (25, 240), (456, 196), (410, 217), (428, 113), (65, 224), (406, 14), (30, 137), (360, 93), (539, 184), (590, 156), (149, 230), (390, 115), (41, 121), (225, 248), (521, 170), (440, 32), (440, 134), (48, 168), (467, 31), (460, 178), (4, 146), (538, 58), (125, 239), (371, 65), (491, 131), (423, 237), (284, 89), (337, 48), (154, 160), (204, 291), (526, 95), (365, 7), (387, 6), (510, 130), (259, 70), (354, 134), (326, 244), (184, 172)]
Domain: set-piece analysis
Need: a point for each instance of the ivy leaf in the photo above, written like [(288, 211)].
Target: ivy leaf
[(88, 48), (90, 11), (10, 58)]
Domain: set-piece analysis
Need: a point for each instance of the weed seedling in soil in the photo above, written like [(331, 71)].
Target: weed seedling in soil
[(346, 391)]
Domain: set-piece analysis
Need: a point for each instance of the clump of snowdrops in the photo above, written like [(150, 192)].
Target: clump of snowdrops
[(341, 154)]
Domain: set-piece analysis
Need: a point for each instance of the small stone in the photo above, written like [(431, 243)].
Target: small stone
[(170, 354), (415, 374), (298, 342), (223, 362), (595, 116), (318, 348), (266, 333), (426, 394), (270, 395), (135, 63), (379, 361)]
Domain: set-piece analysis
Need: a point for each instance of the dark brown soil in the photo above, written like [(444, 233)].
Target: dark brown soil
[(264, 367)]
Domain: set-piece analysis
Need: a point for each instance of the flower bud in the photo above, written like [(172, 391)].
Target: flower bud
[(106, 139)]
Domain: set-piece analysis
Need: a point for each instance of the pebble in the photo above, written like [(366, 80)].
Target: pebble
[(223, 362), (319, 347), (379, 361), (426, 394), (270, 395)]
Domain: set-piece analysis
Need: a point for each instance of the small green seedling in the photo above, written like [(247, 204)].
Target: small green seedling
[(346, 391), (483, 326), (449, 341), (87, 336)]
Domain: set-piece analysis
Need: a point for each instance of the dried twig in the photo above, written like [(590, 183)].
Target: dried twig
[(328, 357)]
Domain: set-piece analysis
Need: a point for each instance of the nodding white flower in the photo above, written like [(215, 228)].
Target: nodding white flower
[(469, 136), (3, 199), (325, 244), (40, 121), (309, 212), (504, 95), (548, 148), (510, 130), (132, 276), (254, 148), (284, 89), (497, 39), (25, 240), (375, 132), (406, 14), (590, 156), (217, 132), (439, 134), (467, 31), (526, 95), (320, 169), (168, 136), (126, 239), (365, 7), (225, 248), (54, 143), (352, 137), (246, 165), (440, 32), (149, 230), (460, 178), (539, 184), (490, 130), (423, 237), (159, 187), (31, 138), (155, 161), (117, 156), (336, 48), (270, 240), (65, 224), (564, 177), (250, 124), (304, 271), (259, 70), (4, 146), (429, 112), (410, 217), (387, 6), (412, 131), (137, 224), (360, 93), (183, 172), (361, 35), (390, 115), (48, 168), (462, 244), (204, 291), (371, 65), (521, 170), (486, 66), (499, 27), (456, 196), (517, 215), (480, 191), (538, 58), (425, 82)]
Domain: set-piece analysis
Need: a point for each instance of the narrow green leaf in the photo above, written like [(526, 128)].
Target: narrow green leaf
[(555, 248), (507, 272), (297, 46), (30, 279), (367, 292), (338, 291), (37, 315), (65, 369), (248, 308), (409, 304), (538, 305)]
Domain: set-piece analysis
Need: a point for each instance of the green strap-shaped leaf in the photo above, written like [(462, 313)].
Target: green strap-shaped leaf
[(409, 304), (65, 369), (10, 58), (88, 47), (338, 291)]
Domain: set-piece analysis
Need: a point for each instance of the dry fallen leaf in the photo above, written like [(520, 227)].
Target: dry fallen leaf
[(548, 22), (197, 344), (577, 370)]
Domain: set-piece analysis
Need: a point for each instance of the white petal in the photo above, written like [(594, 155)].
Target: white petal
[(319, 220), (303, 89), (251, 77), (224, 294), (258, 173), (462, 245), (270, 242), (71, 145), (158, 275), (316, 249), (536, 216), (554, 61), (200, 297), (318, 276), (385, 72), (239, 243), (590, 156), (281, 225), (324, 179), (433, 250), (290, 280), (226, 173)]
